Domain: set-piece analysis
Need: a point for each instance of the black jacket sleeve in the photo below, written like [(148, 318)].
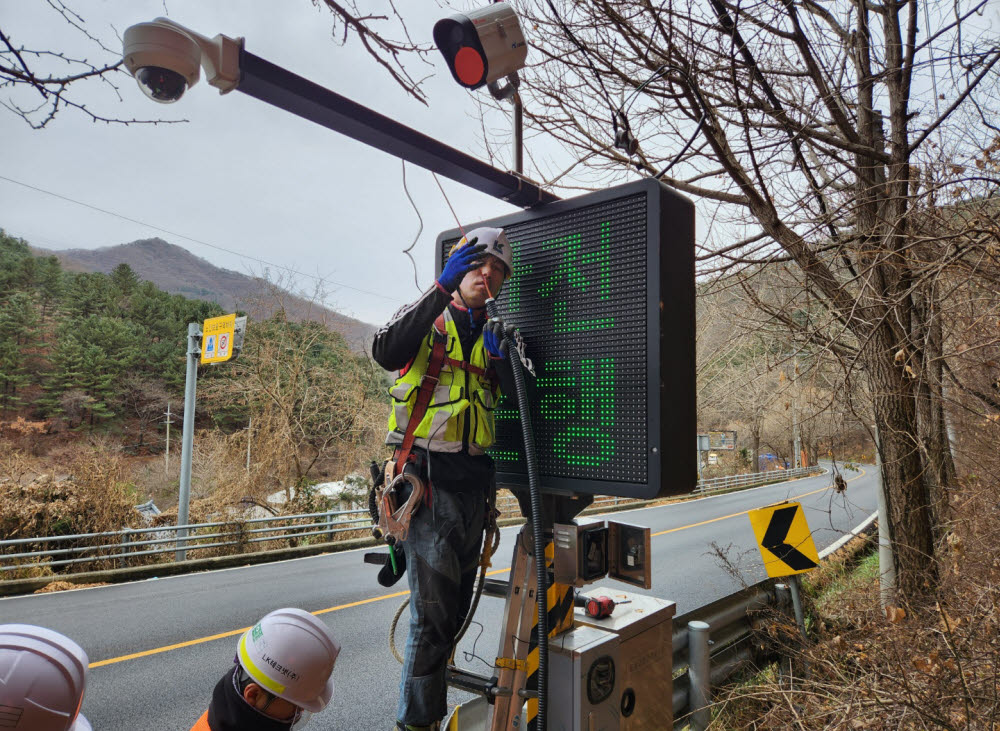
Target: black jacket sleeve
[(398, 341)]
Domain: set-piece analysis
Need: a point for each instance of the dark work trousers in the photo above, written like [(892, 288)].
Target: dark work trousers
[(442, 557)]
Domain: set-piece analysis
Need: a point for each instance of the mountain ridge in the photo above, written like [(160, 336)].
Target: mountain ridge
[(176, 270)]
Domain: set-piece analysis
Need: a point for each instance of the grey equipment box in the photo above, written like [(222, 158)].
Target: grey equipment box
[(644, 671), (583, 687)]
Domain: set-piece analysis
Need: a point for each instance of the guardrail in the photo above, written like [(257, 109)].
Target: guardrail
[(131, 546), (136, 546), (716, 485), (714, 642)]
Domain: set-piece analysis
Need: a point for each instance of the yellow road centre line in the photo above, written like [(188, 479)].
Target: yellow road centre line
[(744, 512), (233, 633)]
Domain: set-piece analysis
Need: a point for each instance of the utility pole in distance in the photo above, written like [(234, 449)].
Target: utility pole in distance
[(168, 421)]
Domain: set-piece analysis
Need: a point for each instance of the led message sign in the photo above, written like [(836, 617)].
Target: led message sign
[(603, 293)]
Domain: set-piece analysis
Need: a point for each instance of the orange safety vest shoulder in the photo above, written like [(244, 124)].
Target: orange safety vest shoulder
[(202, 723)]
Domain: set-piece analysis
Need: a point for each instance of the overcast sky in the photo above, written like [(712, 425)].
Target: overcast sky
[(240, 174)]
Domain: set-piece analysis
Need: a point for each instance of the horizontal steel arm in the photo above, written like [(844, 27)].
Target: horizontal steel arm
[(263, 80)]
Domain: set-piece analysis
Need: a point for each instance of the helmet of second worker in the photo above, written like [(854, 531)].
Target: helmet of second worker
[(291, 654)]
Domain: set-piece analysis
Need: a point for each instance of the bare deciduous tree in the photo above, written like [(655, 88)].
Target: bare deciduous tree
[(815, 143)]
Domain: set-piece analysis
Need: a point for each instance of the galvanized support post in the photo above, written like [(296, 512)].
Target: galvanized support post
[(699, 675), (126, 542), (795, 586), (187, 437), (518, 134)]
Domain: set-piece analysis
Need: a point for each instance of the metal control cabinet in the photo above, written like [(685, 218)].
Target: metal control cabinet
[(583, 680), (644, 677)]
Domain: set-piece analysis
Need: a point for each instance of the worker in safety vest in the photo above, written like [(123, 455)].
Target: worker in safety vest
[(441, 423), (284, 665), (42, 678)]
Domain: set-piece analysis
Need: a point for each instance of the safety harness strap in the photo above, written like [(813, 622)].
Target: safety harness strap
[(468, 367), (428, 383)]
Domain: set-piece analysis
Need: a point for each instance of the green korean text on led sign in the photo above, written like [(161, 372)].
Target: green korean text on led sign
[(579, 297)]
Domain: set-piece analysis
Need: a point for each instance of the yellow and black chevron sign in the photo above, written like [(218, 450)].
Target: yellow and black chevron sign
[(559, 606)]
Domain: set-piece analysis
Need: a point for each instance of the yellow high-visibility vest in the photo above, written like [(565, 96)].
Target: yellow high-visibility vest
[(460, 411)]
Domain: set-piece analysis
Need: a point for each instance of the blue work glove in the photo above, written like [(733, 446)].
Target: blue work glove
[(461, 262), (494, 336)]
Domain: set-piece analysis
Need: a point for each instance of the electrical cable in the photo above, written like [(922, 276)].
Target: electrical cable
[(420, 230), (441, 188), (538, 538), (196, 241)]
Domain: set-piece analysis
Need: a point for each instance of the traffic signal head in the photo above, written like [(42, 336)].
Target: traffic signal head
[(483, 45)]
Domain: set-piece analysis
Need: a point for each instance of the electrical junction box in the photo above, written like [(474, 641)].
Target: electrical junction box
[(581, 551), (584, 671), (644, 670), (629, 556)]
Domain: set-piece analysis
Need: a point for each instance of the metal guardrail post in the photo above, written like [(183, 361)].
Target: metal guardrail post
[(793, 585), (126, 543), (699, 674)]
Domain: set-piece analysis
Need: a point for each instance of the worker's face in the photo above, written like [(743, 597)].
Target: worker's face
[(278, 708), (478, 283)]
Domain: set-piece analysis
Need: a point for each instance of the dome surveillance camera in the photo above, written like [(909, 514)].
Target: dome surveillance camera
[(164, 60), (160, 84)]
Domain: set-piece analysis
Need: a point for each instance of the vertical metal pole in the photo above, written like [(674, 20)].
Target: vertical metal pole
[(166, 466), (518, 133), (699, 675), (187, 436), (794, 586), (126, 542), (697, 453), (249, 437), (886, 567)]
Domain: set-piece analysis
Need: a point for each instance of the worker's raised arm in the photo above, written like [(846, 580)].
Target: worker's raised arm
[(397, 342)]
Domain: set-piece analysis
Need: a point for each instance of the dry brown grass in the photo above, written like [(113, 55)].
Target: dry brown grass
[(96, 496), (930, 665)]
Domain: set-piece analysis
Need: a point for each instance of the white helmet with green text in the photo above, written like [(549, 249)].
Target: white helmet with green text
[(42, 678), (291, 654), (496, 244)]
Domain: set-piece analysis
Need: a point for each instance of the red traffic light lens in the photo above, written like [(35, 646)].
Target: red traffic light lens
[(469, 66)]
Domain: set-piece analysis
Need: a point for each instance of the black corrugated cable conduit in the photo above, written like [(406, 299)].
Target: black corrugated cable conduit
[(534, 493)]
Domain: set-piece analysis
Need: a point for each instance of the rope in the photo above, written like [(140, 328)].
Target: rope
[(491, 543), (392, 630)]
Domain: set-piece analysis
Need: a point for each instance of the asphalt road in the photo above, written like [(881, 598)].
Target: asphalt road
[(157, 647)]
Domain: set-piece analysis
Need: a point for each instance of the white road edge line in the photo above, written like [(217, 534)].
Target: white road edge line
[(836, 545)]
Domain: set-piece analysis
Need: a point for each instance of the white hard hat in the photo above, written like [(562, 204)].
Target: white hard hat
[(42, 678), (496, 244), (291, 654)]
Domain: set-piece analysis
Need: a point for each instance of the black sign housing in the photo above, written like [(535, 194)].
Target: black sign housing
[(604, 295)]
